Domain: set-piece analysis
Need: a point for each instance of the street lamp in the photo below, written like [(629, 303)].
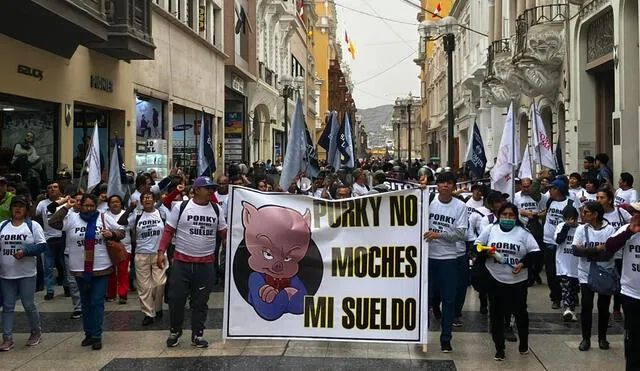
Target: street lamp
[(408, 101), (444, 28), (396, 122), (288, 86)]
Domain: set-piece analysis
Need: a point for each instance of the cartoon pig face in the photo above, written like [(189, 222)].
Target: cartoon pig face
[(277, 239)]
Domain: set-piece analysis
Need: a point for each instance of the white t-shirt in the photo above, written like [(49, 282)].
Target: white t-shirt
[(486, 221), (513, 246), (13, 239), (75, 229), (148, 231), (630, 279), (617, 218), (445, 217), (196, 231), (588, 197), (223, 200), (102, 207), (472, 206), (359, 190), (476, 217), (41, 210), (126, 241), (554, 217), (135, 196), (566, 262), (596, 238), (629, 196), (527, 203), (576, 193)]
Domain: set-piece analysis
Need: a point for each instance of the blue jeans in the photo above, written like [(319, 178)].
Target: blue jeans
[(73, 286), (25, 288), (54, 252), (443, 282), (92, 294)]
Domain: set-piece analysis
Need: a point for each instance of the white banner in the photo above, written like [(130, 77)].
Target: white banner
[(305, 268)]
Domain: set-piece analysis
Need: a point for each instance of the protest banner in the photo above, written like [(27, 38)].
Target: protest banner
[(345, 270)]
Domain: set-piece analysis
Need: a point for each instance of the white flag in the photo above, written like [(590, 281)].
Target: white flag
[(508, 158), (93, 161), (525, 167), (542, 149)]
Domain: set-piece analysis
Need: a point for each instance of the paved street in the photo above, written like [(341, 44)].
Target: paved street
[(128, 345)]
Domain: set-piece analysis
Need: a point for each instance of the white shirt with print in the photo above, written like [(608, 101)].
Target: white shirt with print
[(13, 239), (596, 237), (196, 231), (513, 245), (359, 190), (566, 262), (554, 217), (472, 206), (75, 229), (629, 196), (41, 210), (630, 279), (617, 218), (148, 231), (445, 217), (126, 241), (527, 203)]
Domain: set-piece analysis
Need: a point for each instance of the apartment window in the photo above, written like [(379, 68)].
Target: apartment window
[(296, 67), (190, 14), (241, 29)]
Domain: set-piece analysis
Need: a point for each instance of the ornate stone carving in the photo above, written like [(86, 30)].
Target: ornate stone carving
[(600, 37), (540, 65)]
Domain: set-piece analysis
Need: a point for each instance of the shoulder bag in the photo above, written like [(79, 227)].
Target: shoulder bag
[(603, 280), (117, 251)]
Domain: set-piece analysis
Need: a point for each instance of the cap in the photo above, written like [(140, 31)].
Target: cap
[(204, 182), (19, 200), (560, 185)]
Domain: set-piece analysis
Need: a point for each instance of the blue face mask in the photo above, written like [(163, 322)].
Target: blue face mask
[(507, 224)]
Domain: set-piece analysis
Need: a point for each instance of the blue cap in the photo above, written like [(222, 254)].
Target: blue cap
[(562, 187), (204, 182)]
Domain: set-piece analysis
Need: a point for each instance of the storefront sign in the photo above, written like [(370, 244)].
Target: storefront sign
[(101, 83), (32, 72), (157, 146), (237, 84), (337, 270)]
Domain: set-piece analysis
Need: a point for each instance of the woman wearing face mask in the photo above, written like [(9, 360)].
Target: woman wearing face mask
[(588, 237), (119, 280), (617, 217), (87, 233), (514, 250)]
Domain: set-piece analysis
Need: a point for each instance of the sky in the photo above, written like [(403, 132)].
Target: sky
[(380, 45)]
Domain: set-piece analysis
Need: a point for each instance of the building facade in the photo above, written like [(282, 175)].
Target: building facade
[(407, 128), (58, 85)]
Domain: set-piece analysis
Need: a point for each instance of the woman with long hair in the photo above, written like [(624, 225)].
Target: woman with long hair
[(586, 244), (509, 250)]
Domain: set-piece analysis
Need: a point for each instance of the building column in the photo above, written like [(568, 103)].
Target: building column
[(520, 6), (497, 22), (492, 17)]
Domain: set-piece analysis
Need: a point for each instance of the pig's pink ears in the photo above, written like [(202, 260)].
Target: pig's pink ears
[(307, 218), (248, 211)]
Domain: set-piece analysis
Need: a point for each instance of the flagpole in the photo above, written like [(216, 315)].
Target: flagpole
[(513, 149), (534, 129)]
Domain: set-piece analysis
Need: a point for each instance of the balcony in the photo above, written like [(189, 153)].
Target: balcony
[(495, 48), (119, 28), (540, 15)]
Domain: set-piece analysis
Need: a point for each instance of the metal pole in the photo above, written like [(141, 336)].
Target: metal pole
[(513, 149), (399, 158), (449, 46), (409, 132)]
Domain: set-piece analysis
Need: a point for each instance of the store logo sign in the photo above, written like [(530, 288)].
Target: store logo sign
[(33, 72), (101, 83)]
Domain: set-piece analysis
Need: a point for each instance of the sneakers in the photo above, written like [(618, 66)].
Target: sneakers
[(146, 321), (34, 339), (445, 347), (509, 335), (7, 345), (199, 342), (109, 300), (603, 344), (48, 296), (174, 339), (555, 305), (568, 316), (86, 341), (457, 322), (97, 344), (499, 356), (122, 300), (76, 314), (617, 316), (585, 344), (523, 348)]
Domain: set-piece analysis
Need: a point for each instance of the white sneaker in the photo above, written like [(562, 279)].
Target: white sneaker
[(568, 316)]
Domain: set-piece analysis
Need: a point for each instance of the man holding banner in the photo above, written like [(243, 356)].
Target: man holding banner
[(448, 222)]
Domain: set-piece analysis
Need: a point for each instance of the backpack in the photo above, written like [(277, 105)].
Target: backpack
[(27, 220), (184, 204)]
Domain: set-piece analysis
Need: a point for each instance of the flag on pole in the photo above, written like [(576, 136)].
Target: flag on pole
[(436, 11), (333, 157), (508, 153), (313, 167), (92, 160), (117, 174), (476, 157), (206, 156), (345, 139), (300, 8), (559, 162), (352, 50), (297, 158), (525, 167), (324, 141), (346, 37), (542, 148)]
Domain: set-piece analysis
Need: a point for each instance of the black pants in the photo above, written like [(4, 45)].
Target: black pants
[(617, 297), (505, 299), (587, 312), (555, 292), (631, 332), (194, 280)]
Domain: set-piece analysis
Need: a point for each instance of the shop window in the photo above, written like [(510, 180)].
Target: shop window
[(186, 133), (84, 120), (241, 29), (149, 118), (28, 130)]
